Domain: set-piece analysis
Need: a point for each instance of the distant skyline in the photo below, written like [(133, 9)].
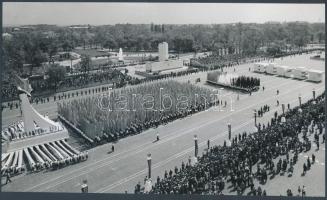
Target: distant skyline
[(64, 14)]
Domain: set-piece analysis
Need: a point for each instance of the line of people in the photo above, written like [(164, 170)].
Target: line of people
[(262, 110)]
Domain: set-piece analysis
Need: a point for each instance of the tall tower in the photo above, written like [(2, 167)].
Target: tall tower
[(163, 51), (32, 117)]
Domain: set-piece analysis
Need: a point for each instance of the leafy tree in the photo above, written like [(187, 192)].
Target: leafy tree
[(67, 45), (52, 51), (13, 54), (321, 36), (85, 64), (152, 27), (56, 74), (36, 59), (35, 46), (274, 49), (110, 43)]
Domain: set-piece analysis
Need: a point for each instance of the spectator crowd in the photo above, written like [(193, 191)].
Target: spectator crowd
[(260, 156)]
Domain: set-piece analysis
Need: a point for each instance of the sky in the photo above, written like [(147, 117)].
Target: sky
[(64, 14)]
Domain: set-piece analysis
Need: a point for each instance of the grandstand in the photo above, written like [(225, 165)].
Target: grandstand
[(35, 142)]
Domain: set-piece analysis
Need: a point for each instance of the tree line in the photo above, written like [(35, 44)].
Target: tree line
[(41, 42)]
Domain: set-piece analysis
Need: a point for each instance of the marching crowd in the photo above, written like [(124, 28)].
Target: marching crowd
[(136, 81), (250, 157), (216, 61), (246, 82), (88, 116), (136, 128)]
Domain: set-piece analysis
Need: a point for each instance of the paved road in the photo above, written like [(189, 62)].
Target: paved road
[(120, 171)]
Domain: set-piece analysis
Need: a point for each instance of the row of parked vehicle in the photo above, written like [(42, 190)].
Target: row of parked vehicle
[(300, 73)]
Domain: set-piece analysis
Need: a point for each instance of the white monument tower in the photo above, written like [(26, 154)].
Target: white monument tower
[(163, 51), (32, 119), (120, 55)]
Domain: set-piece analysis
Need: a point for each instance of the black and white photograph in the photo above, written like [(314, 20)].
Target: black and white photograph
[(163, 98)]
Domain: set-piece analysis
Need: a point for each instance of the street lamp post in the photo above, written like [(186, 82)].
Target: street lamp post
[(85, 187), (300, 100), (148, 182), (229, 131), (255, 117), (283, 107), (196, 146), (71, 64), (283, 120), (314, 94), (149, 165)]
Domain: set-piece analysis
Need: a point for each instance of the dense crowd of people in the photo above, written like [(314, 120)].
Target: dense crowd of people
[(297, 52), (80, 80), (232, 80), (250, 157), (8, 91), (48, 156), (90, 117), (215, 61), (250, 83), (136, 81)]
